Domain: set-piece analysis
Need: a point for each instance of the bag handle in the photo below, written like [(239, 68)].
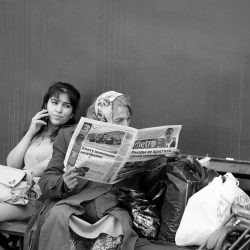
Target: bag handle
[(197, 167)]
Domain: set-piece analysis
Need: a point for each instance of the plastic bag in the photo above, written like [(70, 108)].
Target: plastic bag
[(242, 199), (144, 209), (184, 177), (206, 210)]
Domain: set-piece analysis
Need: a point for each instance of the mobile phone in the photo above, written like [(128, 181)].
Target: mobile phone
[(46, 118)]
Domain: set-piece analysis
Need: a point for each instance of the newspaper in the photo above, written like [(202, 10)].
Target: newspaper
[(105, 152)]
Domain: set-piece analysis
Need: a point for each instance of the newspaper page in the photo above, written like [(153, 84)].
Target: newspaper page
[(156, 141), (150, 143), (99, 150)]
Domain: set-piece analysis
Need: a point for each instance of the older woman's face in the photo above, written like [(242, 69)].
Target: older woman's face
[(121, 115)]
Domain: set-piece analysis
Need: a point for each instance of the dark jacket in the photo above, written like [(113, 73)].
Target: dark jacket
[(68, 203)]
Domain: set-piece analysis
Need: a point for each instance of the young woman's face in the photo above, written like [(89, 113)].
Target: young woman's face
[(121, 115), (59, 109)]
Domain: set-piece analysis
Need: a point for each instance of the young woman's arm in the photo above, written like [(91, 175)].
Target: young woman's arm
[(38, 170), (16, 156)]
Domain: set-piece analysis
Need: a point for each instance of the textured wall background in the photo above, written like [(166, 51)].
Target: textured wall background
[(182, 62)]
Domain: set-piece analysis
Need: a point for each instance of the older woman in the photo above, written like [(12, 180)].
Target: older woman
[(68, 195)]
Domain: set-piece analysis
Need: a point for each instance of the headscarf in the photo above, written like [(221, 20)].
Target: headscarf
[(104, 106)]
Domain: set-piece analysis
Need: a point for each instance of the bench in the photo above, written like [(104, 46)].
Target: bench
[(15, 231), (240, 169)]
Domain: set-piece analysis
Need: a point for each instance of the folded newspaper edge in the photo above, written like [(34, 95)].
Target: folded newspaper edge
[(99, 151)]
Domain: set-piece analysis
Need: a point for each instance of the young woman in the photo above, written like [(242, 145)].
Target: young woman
[(68, 195), (34, 151)]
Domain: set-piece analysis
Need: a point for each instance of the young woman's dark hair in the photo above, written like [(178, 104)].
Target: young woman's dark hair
[(55, 90)]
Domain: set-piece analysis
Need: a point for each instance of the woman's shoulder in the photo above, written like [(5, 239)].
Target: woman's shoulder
[(68, 128), (66, 132)]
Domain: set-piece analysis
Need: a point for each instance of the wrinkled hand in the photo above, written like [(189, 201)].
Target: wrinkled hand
[(37, 122), (70, 178), (175, 153)]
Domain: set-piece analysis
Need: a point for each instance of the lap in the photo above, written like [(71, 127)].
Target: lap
[(14, 212)]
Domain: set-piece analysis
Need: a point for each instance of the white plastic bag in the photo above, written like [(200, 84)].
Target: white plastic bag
[(242, 200), (206, 210)]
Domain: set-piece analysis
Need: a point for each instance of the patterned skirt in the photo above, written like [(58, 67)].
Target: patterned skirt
[(103, 242)]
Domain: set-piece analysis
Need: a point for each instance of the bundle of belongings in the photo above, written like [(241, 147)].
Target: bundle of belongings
[(193, 205), (207, 219), (157, 209), (181, 202)]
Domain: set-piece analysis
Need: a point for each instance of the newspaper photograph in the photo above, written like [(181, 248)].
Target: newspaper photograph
[(99, 151)]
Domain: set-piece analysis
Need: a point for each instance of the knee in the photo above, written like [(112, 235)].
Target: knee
[(12, 212), (55, 214)]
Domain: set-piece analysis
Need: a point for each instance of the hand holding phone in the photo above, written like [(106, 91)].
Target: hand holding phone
[(45, 119), (40, 119), (45, 112)]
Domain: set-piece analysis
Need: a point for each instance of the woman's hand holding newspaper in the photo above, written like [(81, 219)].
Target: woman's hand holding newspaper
[(70, 179)]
